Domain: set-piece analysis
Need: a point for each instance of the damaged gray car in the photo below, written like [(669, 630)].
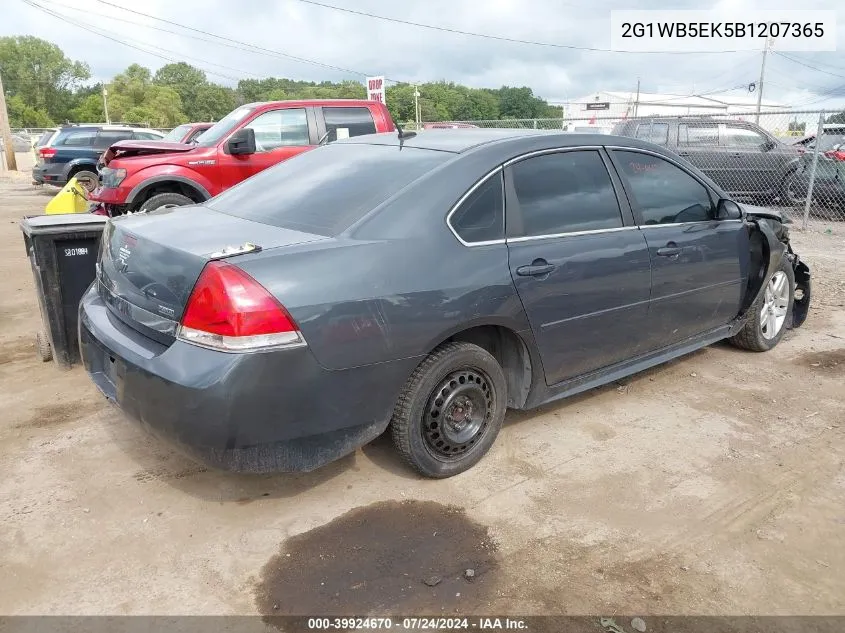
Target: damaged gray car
[(424, 284)]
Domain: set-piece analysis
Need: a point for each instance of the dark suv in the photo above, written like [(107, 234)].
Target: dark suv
[(742, 158), (75, 150)]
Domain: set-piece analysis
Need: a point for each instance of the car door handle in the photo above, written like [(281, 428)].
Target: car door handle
[(683, 153), (669, 251), (538, 268)]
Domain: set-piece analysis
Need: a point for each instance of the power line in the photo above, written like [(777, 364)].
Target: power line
[(500, 38), (798, 61), (252, 46), (124, 43)]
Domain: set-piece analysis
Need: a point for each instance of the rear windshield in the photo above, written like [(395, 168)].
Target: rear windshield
[(326, 190)]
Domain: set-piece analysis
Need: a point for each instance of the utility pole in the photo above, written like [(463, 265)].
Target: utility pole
[(762, 76), (637, 101), (106, 103), (417, 107), (6, 132)]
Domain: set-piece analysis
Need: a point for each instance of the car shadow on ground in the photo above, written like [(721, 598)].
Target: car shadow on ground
[(157, 461)]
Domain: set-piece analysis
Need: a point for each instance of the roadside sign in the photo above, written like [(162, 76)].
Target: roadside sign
[(375, 89), (600, 105)]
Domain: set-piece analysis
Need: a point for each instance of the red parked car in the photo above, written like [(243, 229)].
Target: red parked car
[(138, 176), (187, 132)]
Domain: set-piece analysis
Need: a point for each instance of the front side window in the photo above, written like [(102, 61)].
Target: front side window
[(481, 216), (653, 132), (698, 134), (663, 192), (279, 128), (348, 122), (106, 139), (564, 193), (742, 136), (224, 126)]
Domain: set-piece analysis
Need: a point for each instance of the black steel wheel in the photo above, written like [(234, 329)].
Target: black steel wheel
[(458, 413), (450, 411)]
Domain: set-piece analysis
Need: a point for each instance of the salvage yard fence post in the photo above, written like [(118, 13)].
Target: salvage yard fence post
[(815, 163)]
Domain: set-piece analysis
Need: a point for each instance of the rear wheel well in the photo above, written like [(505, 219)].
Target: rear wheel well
[(510, 352), (167, 186), (78, 168)]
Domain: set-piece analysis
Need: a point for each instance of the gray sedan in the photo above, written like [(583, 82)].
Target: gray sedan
[(423, 284)]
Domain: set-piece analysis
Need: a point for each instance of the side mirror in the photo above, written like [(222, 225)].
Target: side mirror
[(768, 146), (241, 142), (728, 210)]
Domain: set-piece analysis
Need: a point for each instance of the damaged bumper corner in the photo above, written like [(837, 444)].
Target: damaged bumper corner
[(803, 289)]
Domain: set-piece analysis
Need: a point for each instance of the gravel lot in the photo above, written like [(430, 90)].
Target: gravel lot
[(711, 485)]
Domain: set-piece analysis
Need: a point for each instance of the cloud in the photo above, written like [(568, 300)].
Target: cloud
[(406, 53)]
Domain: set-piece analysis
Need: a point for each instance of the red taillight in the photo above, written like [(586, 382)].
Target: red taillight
[(835, 155), (230, 311), (47, 152)]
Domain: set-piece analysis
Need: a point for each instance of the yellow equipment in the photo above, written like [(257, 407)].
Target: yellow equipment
[(73, 198)]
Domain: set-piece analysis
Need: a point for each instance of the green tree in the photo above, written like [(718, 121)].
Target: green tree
[(839, 117), (133, 98), (189, 83), (40, 74), (211, 103), (23, 115)]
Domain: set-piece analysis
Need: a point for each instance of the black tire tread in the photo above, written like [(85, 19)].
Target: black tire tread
[(401, 421), (42, 346), (169, 197)]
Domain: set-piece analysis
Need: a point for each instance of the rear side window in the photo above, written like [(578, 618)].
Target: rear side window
[(80, 138), (481, 216), (564, 193), (348, 122), (326, 190), (698, 134), (657, 133), (663, 192), (106, 138)]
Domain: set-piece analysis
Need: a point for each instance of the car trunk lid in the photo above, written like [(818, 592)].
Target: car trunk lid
[(149, 263)]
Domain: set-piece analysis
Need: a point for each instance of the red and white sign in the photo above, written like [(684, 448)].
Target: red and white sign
[(375, 89)]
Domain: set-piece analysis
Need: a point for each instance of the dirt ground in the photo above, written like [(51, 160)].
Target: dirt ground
[(711, 485)]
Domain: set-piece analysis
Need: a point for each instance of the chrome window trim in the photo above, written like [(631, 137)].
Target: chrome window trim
[(497, 170), (655, 226), (529, 238), (552, 150)]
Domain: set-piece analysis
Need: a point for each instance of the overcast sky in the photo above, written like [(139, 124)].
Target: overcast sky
[(407, 53)]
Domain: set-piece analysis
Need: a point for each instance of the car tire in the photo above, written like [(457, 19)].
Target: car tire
[(88, 179), (42, 346), (456, 379), (788, 191), (164, 200), (768, 317)]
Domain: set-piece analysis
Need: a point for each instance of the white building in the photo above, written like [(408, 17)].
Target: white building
[(603, 108)]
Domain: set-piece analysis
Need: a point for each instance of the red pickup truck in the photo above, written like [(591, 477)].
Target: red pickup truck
[(142, 176)]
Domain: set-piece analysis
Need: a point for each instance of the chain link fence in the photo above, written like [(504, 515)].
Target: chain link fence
[(772, 159)]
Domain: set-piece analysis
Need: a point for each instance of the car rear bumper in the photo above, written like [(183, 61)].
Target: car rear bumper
[(49, 173), (263, 412)]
